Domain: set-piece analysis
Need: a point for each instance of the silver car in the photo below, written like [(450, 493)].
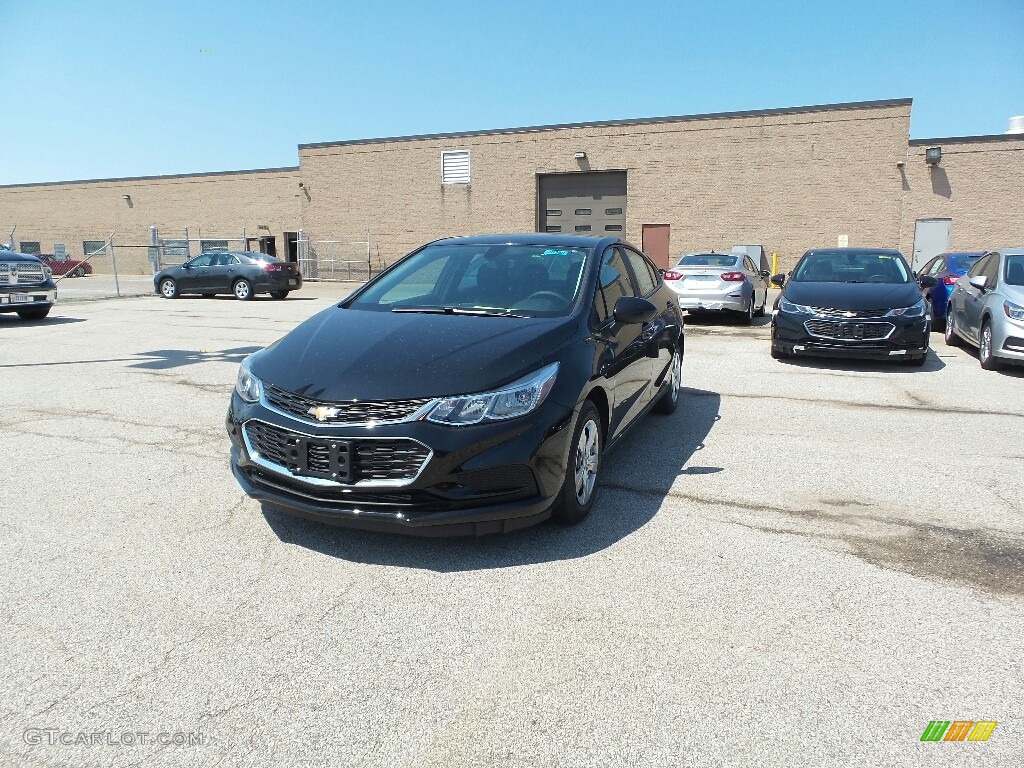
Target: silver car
[(986, 308), (719, 282)]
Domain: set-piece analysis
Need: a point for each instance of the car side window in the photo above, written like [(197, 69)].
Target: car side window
[(644, 282), (748, 264), (991, 270), (938, 266), (929, 268), (979, 265), (201, 261), (613, 282)]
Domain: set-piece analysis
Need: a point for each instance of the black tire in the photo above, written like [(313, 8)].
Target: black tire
[(986, 356), (279, 294), (916, 362), (242, 289), (80, 272), (949, 332), (568, 509), (169, 288), (760, 310), (33, 314), (748, 313), (669, 399)]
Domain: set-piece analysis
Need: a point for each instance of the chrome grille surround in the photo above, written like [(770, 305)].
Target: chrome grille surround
[(847, 313), (850, 330), (349, 413), (20, 273), (382, 462)]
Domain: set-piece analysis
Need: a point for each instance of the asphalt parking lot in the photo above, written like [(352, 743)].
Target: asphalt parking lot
[(804, 565)]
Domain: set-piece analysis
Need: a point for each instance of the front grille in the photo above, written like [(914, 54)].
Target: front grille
[(350, 412), (833, 312), (20, 273), (339, 460), (848, 331)]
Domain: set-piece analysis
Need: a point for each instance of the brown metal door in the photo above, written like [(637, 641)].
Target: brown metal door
[(655, 244)]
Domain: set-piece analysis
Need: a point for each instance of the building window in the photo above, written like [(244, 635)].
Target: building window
[(178, 248), (455, 167), (205, 246), (612, 211), (582, 227), (582, 211), (28, 246), (554, 212), (612, 227), (90, 247), (552, 228)]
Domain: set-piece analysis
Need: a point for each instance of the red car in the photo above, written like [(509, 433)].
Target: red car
[(68, 267)]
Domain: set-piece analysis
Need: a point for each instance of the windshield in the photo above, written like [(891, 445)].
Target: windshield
[(708, 260), (1014, 269), (853, 267), (526, 280)]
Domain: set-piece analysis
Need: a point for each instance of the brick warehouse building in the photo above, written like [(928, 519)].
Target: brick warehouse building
[(790, 179)]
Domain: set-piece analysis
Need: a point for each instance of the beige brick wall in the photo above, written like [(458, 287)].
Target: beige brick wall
[(979, 184), (791, 180), (215, 205)]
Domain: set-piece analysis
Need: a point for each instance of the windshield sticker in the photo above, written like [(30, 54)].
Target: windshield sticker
[(554, 252)]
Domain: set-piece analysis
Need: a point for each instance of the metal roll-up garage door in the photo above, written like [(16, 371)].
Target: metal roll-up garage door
[(583, 203)]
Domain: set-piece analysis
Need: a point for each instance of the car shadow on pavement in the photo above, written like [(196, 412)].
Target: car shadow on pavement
[(160, 359), (637, 475), (15, 320), (933, 363)]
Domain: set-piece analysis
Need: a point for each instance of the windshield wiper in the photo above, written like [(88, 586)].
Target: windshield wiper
[(458, 311)]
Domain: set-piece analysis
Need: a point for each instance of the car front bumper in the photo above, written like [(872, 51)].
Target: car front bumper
[(866, 338), (1007, 338), (35, 296), (476, 480)]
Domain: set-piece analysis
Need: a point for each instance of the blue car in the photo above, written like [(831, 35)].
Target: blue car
[(946, 268)]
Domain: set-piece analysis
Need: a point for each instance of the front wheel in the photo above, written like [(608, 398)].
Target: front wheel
[(760, 310), (242, 289), (669, 400), (576, 498), (33, 314), (986, 356), (949, 334), (168, 288), (80, 272), (748, 315)]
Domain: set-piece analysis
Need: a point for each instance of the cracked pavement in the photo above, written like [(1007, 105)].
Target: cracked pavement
[(804, 565)]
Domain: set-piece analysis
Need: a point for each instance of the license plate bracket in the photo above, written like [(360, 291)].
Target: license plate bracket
[(321, 457), (19, 298)]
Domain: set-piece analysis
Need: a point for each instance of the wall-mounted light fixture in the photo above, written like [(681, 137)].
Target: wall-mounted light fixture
[(580, 155), (932, 156), (126, 198)]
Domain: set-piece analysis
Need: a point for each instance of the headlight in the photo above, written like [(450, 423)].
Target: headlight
[(786, 305), (914, 310), (1015, 311), (247, 386), (517, 399), (47, 272)]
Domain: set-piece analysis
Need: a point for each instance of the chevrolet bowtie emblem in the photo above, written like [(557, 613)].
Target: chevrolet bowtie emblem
[(322, 412)]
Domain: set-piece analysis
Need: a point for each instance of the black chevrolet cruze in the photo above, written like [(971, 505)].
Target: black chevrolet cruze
[(852, 302), (473, 387)]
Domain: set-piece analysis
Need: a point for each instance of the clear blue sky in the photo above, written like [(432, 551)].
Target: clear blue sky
[(115, 88)]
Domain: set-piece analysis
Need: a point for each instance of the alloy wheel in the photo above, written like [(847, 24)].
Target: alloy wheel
[(168, 289), (242, 290), (588, 456)]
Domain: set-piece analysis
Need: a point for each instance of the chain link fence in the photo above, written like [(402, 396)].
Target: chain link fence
[(342, 259)]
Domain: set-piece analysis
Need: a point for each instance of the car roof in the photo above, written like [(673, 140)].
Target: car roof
[(852, 251), (530, 238), (963, 253), (1016, 251)]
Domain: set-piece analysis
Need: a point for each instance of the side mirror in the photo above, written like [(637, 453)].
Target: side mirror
[(765, 274), (778, 279), (631, 309), (186, 265), (927, 281), (662, 271), (980, 282)]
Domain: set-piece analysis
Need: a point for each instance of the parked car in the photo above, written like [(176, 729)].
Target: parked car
[(473, 387), (852, 302), (26, 285), (986, 308), (712, 282), (241, 273), (69, 267), (946, 268)]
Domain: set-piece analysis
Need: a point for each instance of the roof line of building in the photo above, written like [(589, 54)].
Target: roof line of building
[(969, 139), (147, 178), (636, 121)]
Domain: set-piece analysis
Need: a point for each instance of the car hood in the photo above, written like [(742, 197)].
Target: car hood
[(852, 296), (348, 354), (8, 257)]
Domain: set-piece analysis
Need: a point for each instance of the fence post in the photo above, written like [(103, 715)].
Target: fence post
[(188, 246), (113, 259), (369, 266)]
